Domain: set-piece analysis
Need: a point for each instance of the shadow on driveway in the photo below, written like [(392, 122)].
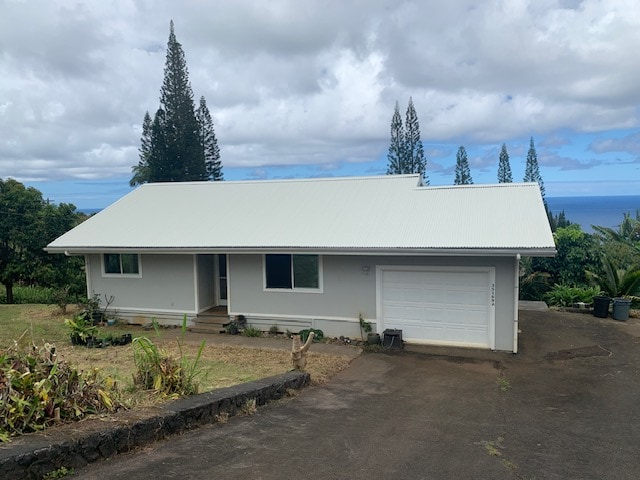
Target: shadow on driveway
[(566, 407)]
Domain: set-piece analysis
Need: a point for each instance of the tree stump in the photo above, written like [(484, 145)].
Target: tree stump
[(299, 351)]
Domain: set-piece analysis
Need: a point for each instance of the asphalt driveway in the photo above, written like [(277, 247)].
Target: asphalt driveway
[(566, 407)]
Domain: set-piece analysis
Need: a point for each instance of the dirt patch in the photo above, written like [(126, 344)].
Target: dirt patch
[(581, 352)]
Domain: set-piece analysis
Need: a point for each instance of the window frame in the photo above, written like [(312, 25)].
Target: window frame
[(293, 288), (121, 274)]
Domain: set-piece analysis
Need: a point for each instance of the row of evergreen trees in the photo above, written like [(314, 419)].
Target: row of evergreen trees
[(179, 144), (406, 154)]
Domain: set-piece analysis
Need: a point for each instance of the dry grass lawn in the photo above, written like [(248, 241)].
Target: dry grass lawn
[(222, 365)]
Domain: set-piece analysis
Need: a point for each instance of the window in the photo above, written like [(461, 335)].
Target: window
[(121, 264), (292, 271)]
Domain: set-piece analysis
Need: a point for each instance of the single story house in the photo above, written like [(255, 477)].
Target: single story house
[(439, 263)]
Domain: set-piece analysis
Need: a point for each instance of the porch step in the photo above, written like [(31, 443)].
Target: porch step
[(206, 328), (210, 322)]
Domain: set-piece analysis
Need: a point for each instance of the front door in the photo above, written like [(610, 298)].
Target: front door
[(222, 280)]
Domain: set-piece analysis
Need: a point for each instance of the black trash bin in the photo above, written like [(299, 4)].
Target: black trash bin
[(601, 306), (621, 307), (392, 339)]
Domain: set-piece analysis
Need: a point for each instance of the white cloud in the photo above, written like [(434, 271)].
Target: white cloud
[(314, 83)]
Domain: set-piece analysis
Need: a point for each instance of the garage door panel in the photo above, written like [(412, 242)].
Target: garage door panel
[(439, 306)]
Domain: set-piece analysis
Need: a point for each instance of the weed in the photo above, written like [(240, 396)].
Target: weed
[(222, 417), (250, 331), (504, 384), (163, 373), (273, 330), (59, 473), (248, 407), (288, 333)]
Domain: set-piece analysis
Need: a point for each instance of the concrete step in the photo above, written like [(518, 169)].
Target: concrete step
[(206, 328)]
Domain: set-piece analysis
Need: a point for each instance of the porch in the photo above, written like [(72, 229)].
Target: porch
[(212, 320)]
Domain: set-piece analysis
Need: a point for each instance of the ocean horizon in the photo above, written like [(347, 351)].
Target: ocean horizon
[(603, 211)]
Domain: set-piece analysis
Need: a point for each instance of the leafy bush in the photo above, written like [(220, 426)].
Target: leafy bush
[(37, 389), (250, 331), (318, 335), (565, 296)]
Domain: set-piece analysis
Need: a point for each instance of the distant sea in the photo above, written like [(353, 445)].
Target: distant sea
[(602, 211)]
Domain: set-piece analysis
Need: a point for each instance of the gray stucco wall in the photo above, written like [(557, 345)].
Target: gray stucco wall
[(167, 285), (349, 291)]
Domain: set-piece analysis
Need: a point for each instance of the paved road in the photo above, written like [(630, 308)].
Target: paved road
[(570, 409)]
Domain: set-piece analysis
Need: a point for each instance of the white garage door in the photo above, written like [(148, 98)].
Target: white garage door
[(449, 306)]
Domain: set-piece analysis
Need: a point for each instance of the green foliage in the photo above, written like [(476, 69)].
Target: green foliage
[(533, 283), (413, 150), (566, 296), (396, 154), (463, 172), (27, 224), (532, 170), (504, 168), (179, 144), (250, 331), (37, 389), (406, 153), (23, 295), (577, 253), (166, 375), (273, 330), (365, 327), (59, 473), (615, 281), (318, 335), (208, 142), (80, 329)]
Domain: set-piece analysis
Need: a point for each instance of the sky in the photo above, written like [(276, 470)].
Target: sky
[(301, 89)]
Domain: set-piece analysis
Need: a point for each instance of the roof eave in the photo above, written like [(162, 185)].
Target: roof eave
[(394, 251)]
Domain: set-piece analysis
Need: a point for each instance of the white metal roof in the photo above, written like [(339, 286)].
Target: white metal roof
[(360, 214)]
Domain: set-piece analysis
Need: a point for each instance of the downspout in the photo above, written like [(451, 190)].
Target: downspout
[(516, 298)]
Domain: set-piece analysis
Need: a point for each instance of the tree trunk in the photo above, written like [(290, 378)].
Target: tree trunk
[(9, 288)]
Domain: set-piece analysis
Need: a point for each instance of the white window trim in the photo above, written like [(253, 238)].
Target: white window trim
[(293, 289), (121, 275)]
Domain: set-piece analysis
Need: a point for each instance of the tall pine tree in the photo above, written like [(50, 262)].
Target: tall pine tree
[(463, 172), (174, 147), (406, 154), (141, 171), (504, 168), (396, 156), (209, 143), (415, 161), (532, 171)]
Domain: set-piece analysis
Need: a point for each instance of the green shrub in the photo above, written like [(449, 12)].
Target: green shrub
[(250, 331), (37, 389), (565, 296), (318, 335), (25, 295)]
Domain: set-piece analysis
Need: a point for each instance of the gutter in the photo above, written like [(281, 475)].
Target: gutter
[(365, 251)]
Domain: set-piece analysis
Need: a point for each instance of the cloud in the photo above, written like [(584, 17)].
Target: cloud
[(628, 144), (315, 85)]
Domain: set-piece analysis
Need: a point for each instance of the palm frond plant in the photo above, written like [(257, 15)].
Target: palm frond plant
[(616, 281)]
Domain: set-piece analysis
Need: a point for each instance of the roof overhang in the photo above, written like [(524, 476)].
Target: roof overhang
[(441, 252)]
